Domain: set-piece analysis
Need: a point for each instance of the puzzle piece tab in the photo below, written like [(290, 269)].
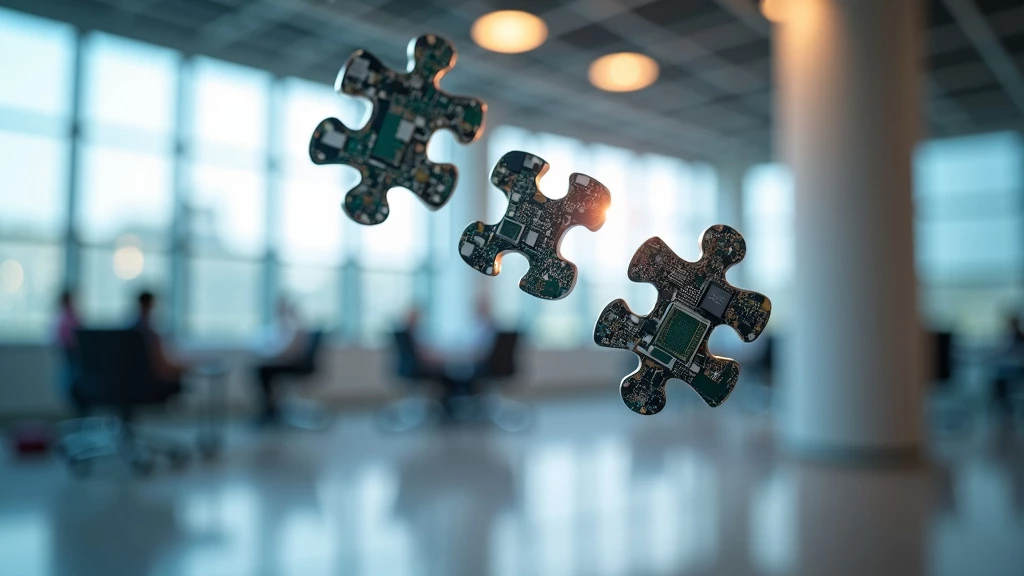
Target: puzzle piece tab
[(534, 225), (391, 150), (672, 341)]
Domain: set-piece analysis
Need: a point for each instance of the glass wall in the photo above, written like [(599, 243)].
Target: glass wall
[(970, 231), (969, 228), (35, 115), (128, 166)]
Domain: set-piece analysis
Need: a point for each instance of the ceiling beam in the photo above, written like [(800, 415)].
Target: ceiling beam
[(540, 86), (747, 12), (988, 45)]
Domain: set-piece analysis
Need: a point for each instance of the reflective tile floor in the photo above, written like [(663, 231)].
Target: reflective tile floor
[(590, 489)]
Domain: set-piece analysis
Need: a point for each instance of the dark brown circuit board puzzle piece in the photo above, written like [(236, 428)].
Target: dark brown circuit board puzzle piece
[(672, 341), (391, 150), (534, 225)]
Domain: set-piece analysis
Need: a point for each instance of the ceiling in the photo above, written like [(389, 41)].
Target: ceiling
[(713, 98)]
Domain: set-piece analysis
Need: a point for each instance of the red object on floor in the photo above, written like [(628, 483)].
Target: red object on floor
[(30, 437)]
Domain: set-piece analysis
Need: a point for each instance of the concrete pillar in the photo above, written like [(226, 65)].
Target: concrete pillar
[(848, 110)]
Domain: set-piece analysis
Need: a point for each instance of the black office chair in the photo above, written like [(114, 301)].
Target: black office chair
[(300, 412), (948, 410), (501, 364), (116, 373), (477, 397), (417, 408), (501, 367)]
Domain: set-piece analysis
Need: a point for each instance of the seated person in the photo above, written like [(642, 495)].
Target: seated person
[(470, 363), (285, 353), (167, 370), (457, 370), (1010, 363), (64, 340)]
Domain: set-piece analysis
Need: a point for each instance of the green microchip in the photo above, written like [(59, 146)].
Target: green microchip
[(661, 356), (473, 115), (510, 230), (388, 146), (680, 334)]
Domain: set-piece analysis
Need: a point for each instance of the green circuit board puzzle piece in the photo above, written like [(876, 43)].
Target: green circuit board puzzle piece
[(534, 225), (672, 341), (391, 150)]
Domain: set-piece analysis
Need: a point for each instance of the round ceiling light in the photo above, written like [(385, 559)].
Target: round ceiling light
[(774, 10), (623, 72), (509, 31)]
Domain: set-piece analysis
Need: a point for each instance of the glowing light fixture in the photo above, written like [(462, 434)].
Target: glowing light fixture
[(775, 10), (623, 72), (509, 31), (12, 276), (129, 261)]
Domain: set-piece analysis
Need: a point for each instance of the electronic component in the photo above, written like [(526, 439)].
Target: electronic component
[(672, 341), (534, 225), (391, 150)]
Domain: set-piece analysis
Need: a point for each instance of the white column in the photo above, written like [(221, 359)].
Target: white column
[(848, 108)]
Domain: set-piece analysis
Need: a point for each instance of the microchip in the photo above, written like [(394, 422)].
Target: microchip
[(388, 147), (681, 333), (510, 230), (716, 300)]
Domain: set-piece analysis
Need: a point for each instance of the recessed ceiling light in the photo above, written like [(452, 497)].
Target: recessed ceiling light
[(623, 72), (774, 10), (509, 31)]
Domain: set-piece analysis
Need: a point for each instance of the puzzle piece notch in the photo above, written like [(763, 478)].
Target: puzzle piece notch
[(534, 225), (693, 299), (390, 150)]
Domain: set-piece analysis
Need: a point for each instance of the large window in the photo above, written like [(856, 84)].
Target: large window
[(192, 177), (225, 197), (970, 231), (310, 228), (768, 199), (125, 178), (36, 61)]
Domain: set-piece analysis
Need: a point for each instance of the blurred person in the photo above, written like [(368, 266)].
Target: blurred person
[(470, 363), (284, 353), (481, 334), (64, 338), (167, 369), (1009, 364), (458, 370)]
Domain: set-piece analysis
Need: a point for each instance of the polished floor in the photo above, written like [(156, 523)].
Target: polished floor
[(590, 489)]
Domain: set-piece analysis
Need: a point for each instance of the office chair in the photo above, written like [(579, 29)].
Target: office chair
[(949, 412), (417, 408), (757, 374), (116, 373), (300, 412), (501, 367)]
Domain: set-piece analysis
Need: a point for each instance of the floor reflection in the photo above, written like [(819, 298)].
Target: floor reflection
[(450, 495), (592, 489)]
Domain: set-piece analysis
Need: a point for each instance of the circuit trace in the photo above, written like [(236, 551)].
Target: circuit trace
[(672, 341), (391, 149), (534, 225)]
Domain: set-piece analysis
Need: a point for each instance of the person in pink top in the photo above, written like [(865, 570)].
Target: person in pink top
[(65, 339), (67, 322)]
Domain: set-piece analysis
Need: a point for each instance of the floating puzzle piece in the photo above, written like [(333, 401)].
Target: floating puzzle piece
[(672, 341), (391, 150), (534, 225)]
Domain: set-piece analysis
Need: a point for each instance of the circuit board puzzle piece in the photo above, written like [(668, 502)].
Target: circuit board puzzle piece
[(534, 225), (391, 150), (672, 341)]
